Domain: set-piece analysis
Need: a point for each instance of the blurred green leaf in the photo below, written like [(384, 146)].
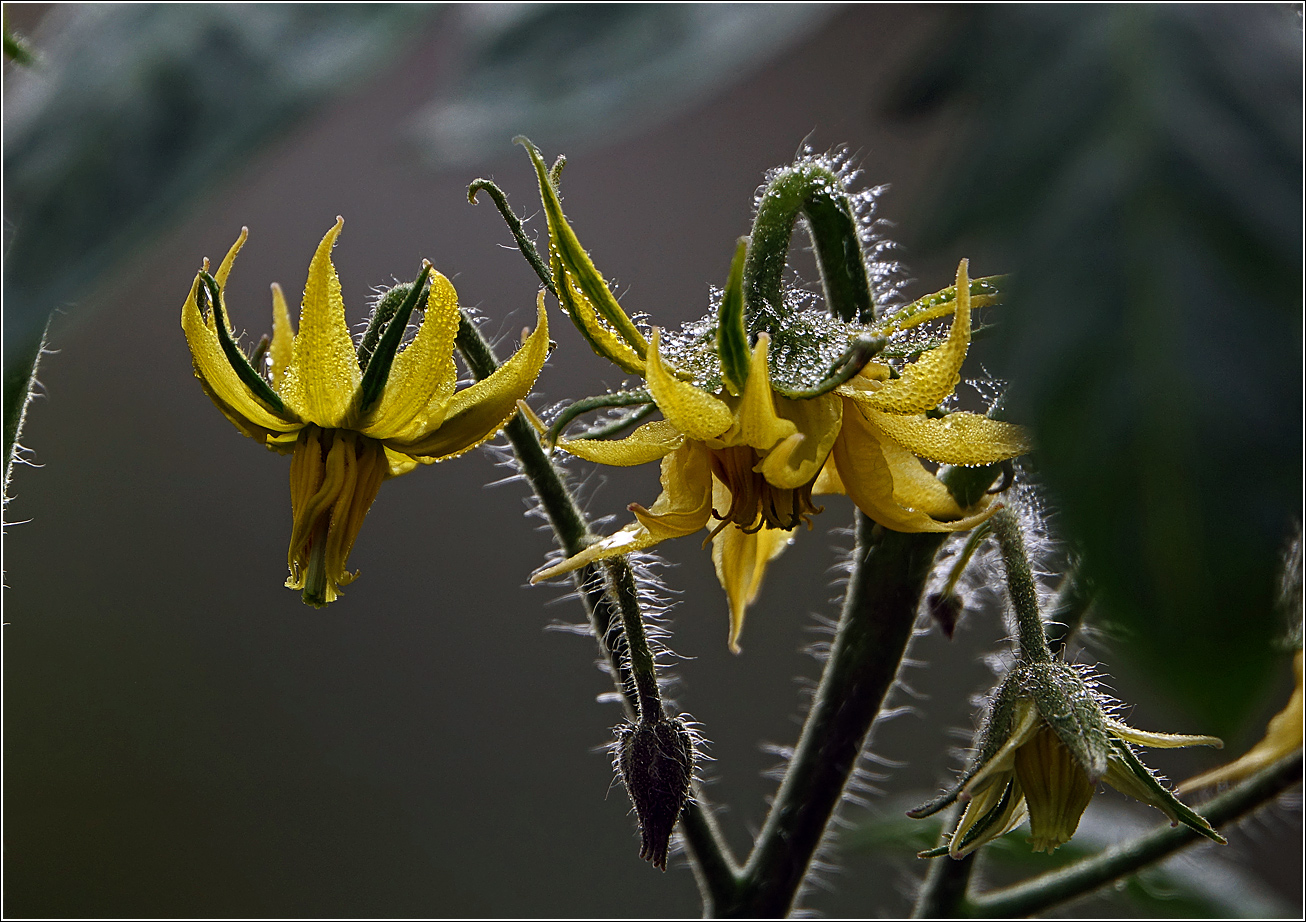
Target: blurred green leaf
[(1138, 170), (139, 108), (1201, 882)]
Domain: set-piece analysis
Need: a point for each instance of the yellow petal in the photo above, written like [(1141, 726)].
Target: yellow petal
[(398, 463), (740, 560), (423, 375), (283, 337), (323, 374), (1057, 790), (1025, 723), (1008, 799), (867, 467), (596, 332), (797, 459), (758, 424), (478, 412), (231, 395), (684, 506), (958, 438), (647, 443), (933, 376), (694, 412)]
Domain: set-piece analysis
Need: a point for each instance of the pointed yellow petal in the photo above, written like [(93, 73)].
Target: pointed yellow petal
[(423, 375), (740, 560), (759, 426), (797, 459), (283, 337), (932, 377), (476, 413), (398, 463), (596, 332), (829, 481), (323, 374), (694, 412), (647, 443), (1025, 723), (231, 395), (684, 506), (958, 438), (867, 474)]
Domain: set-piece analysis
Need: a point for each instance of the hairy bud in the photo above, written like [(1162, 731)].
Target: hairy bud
[(655, 758)]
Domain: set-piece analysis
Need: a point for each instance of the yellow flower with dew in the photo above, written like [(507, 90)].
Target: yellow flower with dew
[(1283, 737), (749, 452), (351, 417), (1047, 743)]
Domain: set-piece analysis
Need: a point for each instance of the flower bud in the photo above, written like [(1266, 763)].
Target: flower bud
[(655, 758)]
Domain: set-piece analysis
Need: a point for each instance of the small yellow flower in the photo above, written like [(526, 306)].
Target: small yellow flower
[(351, 420), (751, 457), (1047, 744), (1283, 737)]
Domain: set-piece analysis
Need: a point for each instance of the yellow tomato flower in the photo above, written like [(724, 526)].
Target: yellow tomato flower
[(1045, 747), (752, 460), (1283, 737), (350, 418)]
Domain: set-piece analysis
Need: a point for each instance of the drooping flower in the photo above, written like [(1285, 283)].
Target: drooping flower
[(738, 448), (350, 416), (1283, 737), (1045, 746)]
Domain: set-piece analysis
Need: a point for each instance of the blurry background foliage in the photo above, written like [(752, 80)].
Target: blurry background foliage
[(1136, 168)]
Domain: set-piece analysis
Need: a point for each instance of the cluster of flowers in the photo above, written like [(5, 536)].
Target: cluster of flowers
[(744, 445)]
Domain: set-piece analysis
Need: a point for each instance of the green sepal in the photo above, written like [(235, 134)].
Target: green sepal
[(732, 338), (936, 852), (631, 398), (377, 372), (1073, 712), (842, 370), (617, 426), (1182, 811), (569, 305), (244, 370), (386, 308), (576, 261)]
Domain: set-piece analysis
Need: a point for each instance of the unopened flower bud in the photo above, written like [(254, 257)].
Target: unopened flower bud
[(655, 758)]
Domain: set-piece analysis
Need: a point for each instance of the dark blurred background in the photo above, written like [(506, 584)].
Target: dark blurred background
[(183, 737)]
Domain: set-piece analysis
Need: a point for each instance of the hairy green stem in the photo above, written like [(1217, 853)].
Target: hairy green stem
[(710, 858), (1020, 586), (890, 570), (1082, 877), (813, 191), (20, 384)]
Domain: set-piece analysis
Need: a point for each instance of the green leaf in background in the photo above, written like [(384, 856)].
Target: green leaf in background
[(1138, 170), (1198, 883)]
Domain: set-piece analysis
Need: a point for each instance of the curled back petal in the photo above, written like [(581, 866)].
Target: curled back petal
[(283, 337), (798, 458), (740, 559), (868, 479), (398, 463), (597, 333), (231, 395), (476, 413), (1160, 740), (647, 443), (323, 374), (694, 412), (423, 375), (958, 438), (932, 377), (757, 424), (684, 507)]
